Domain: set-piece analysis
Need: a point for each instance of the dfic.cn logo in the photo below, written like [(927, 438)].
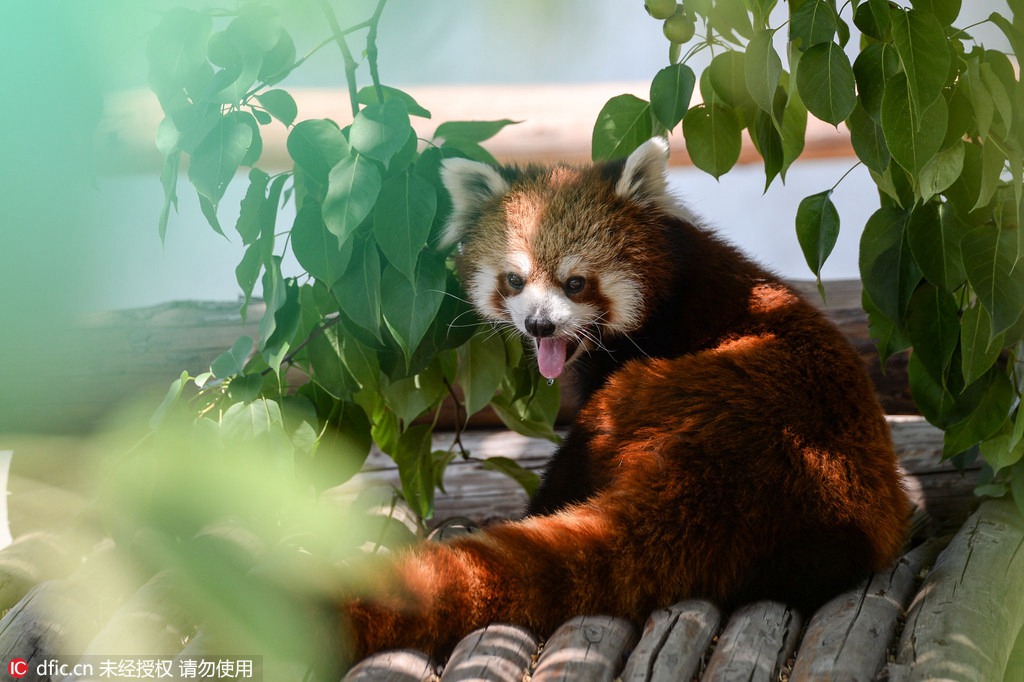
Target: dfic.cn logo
[(18, 668)]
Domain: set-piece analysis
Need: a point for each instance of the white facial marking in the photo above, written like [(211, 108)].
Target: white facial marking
[(626, 300), (568, 266), (521, 264)]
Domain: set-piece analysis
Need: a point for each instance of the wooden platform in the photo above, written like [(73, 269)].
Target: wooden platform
[(941, 612), (945, 610)]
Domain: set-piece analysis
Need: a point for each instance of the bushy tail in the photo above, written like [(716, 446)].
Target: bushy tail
[(538, 572)]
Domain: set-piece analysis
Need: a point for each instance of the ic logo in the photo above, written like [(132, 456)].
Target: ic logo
[(17, 668)]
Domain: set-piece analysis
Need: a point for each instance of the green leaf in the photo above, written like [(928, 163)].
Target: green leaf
[(1000, 452), (247, 272), (411, 397), (671, 90), (727, 75), (379, 131), (979, 347), (712, 138), (368, 95), (994, 269), (402, 218), (317, 145), (868, 140), (280, 105), (279, 61), (872, 18), (992, 161), (209, 211), (352, 189), (171, 399), (943, 170), (169, 181), (415, 469), (873, 67), (984, 421), (920, 42), (887, 268), (794, 128), (912, 139), (623, 124), (826, 83), (215, 160), (315, 248), (813, 22), (410, 306), (274, 295), (768, 142), (886, 334), (358, 290), (1015, 34), (248, 224), (762, 70), (177, 45), (934, 235), (817, 228), (529, 480), (481, 369), (946, 11), (257, 25), (232, 361), (933, 327), (471, 131)]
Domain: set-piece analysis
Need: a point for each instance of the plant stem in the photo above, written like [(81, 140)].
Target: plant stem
[(371, 49), (350, 62)]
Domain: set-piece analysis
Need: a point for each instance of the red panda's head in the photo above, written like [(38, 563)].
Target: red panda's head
[(567, 255)]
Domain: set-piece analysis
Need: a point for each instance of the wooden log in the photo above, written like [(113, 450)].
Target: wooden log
[(847, 638), (37, 557), (147, 348), (153, 622), (592, 648), (393, 666), (496, 653), (967, 615), (674, 642), (755, 644), (57, 618)]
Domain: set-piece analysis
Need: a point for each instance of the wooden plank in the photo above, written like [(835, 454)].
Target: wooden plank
[(393, 666), (556, 121), (966, 617), (674, 642), (483, 496), (755, 644), (847, 638), (592, 648), (496, 653)]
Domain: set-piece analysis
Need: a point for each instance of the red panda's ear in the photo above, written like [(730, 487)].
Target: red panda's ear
[(471, 185), (643, 175)]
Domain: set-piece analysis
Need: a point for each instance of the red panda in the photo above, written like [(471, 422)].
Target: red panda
[(729, 444)]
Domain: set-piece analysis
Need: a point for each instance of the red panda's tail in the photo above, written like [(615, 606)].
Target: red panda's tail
[(538, 572)]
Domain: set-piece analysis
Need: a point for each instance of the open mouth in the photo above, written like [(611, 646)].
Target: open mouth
[(554, 353)]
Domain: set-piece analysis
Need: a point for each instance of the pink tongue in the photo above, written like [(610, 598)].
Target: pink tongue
[(551, 356)]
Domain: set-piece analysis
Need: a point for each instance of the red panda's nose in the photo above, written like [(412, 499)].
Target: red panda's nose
[(539, 327)]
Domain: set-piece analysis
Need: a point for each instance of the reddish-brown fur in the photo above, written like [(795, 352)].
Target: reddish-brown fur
[(732, 447)]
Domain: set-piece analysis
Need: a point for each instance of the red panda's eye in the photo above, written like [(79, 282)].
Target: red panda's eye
[(574, 285), (514, 281)]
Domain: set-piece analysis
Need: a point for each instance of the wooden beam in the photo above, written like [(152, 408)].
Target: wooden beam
[(557, 122)]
